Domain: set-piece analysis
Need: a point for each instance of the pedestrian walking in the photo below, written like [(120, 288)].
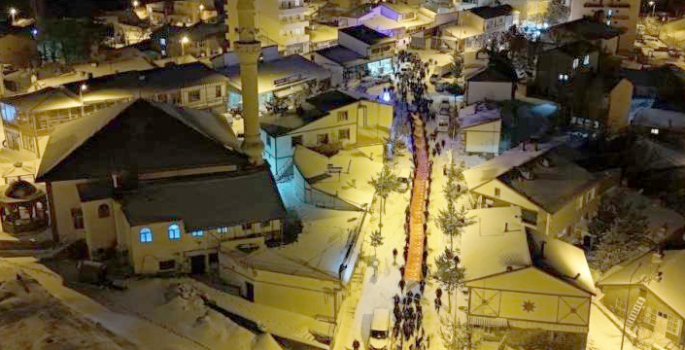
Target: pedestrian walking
[(402, 283), (394, 256)]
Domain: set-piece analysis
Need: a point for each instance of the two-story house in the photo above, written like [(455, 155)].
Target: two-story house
[(200, 40), (524, 280), (162, 185), (622, 14), (332, 117), (180, 13), (29, 118), (360, 51), (562, 69), (553, 192), (284, 22), (476, 25), (395, 20)]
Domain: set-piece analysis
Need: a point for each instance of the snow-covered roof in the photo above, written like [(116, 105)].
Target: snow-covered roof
[(280, 73), (351, 185), (494, 243), (501, 164), (563, 260), (69, 137), (669, 289), (319, 251), (382, 23), (659, 118), (473, 117), (81, 71), (266, 341), (463, 32), (498, 243)]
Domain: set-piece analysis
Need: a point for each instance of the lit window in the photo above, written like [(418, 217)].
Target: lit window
[(162, 41), (174, 232), (579, 203), (197, 233), (344, 134), (9, 113), (575, 63), (655, 131), (586, 60), (608, 23), (145, 235), (610, 13), (673, 326), (561, 77), (222, 229)]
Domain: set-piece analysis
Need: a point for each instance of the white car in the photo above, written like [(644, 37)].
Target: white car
[(380, 330)]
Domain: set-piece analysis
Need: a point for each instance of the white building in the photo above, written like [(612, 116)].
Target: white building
[(282, 76), (339, 182), (159, 184), (524, 280), (496, 82), (481, 129), (360, 50), (330, 118), (395, 20)]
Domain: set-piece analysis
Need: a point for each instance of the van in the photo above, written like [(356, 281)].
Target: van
[(380, 329)]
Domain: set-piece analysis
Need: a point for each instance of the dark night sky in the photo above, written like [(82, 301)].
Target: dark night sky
[(67, 8)]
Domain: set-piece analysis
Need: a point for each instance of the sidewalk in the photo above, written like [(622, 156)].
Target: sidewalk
[(141, 332)]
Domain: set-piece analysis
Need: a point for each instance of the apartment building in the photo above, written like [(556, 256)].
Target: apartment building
[(183, 13), (622, 14)]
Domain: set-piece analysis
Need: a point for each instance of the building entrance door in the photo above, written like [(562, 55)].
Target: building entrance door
[(661, 324), (197, 264)]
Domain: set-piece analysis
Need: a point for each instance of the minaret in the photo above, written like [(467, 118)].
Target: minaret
[(248, 50)]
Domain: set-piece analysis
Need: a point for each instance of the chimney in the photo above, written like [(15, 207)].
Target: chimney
[(542, 249)]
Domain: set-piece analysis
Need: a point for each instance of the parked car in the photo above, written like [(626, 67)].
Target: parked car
[(380, 330)]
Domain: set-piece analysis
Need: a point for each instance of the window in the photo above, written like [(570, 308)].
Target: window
[(592, 193), (575, 63), (342, 116), (322, 139), (265, 225), (103, 211), (28, 143), (162, 41), (295, 140), (650, 316), (194, 96), (174, 232), (167, 265), (673, 326), (610, 13), (655, 131), (145, 235), (77, 218), (497, 192), (175, 98), (586, 60), (162, 97), (529, 216), (222, 229), (9, 113), (197, 233), (344, 134), (217, 91), (579, 203), (247, 227)]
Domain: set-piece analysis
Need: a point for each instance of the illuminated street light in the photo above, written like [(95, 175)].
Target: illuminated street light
[(184, 41), (83, 88), (136, 3), (13, 13)]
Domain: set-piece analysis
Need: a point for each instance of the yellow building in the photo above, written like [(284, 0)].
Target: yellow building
[(555, 195), (524, 280), (331, 118), (481, 130), (162, 186)]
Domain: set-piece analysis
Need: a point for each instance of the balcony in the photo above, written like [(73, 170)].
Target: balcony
[(292, 39), (292, 22), (289, 8)]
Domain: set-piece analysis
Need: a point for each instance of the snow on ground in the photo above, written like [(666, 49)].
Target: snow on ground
[(141, 332), (604, 335), (30, 318)]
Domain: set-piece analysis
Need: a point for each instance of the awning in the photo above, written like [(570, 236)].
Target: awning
[(488, 322), (288, 91)]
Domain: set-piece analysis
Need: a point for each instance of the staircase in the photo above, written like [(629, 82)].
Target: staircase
[(632, 316), (287, 173)]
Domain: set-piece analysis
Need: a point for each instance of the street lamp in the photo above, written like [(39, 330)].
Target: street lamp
[(83, 88), (13, 13), (184, 41), (136, 3), (653, 5)]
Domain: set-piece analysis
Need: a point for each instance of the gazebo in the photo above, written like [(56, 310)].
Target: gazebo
[(24, 208)]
